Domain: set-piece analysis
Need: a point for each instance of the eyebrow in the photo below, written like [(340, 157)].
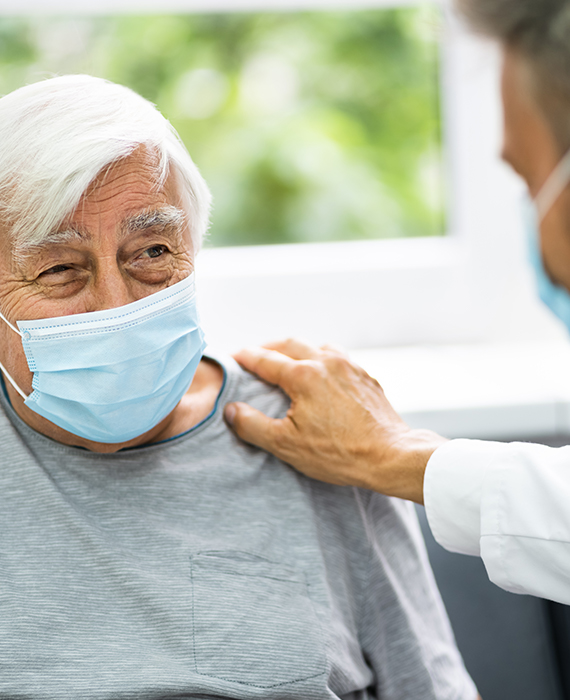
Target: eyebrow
[(165, 217), (23, 251), (60, 236)]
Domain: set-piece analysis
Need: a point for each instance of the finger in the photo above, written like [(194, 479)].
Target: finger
[(294, 348), (271, 366), (253, 426)]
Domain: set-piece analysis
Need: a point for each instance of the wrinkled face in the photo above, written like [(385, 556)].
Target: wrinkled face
[(127, 239), (530, 148)]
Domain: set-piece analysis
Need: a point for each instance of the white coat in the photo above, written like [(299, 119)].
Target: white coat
[(508, 503)]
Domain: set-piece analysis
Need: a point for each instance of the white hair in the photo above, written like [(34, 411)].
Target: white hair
[(58, 135)]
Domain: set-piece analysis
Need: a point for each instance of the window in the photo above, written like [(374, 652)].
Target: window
[(358, 293), (310, 126)]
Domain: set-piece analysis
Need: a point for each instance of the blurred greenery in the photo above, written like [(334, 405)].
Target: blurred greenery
[(308, 126)]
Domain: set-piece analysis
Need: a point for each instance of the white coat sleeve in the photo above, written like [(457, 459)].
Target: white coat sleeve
[(508, 503)]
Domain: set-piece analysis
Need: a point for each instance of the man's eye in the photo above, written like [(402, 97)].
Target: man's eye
[(155, 252), (55, 269)]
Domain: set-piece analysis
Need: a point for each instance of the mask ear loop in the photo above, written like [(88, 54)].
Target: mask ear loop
[(4, 370), (12, 382), (553, 187)]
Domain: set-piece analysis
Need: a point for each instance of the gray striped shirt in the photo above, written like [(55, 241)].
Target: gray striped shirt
[(201, 567)]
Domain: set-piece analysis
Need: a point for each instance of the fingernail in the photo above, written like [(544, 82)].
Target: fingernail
[(230, 413)]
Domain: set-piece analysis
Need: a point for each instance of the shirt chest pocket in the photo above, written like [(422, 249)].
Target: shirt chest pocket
[(253, 621)]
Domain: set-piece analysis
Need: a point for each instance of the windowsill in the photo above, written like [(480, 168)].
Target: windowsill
[(488, 391), (340, 258)]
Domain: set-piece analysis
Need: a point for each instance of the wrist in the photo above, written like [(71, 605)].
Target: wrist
[(400, 471)]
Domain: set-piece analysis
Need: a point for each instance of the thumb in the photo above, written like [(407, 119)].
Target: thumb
[(253, 426)]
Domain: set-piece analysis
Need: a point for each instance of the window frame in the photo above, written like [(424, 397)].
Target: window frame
[(363, 294)]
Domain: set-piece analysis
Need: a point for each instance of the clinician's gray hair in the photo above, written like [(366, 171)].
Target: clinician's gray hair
[(540, 31), (58, 135)]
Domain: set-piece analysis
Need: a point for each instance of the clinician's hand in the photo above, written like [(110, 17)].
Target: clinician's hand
[(340, 427)]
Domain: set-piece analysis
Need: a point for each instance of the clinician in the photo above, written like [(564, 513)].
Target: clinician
[(508, 503)]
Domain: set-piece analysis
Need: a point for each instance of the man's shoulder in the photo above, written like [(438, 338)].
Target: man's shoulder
[(243, 386)]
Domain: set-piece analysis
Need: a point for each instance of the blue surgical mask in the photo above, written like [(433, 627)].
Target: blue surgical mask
[(556, 297), (110, 376)]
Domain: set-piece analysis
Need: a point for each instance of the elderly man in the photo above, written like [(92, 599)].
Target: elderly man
[(146, 552), (507, 503)]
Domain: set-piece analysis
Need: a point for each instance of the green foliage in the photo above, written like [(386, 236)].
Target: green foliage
[(308, 126)]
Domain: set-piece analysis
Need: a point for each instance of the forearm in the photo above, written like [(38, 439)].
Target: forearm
[(399, 470)]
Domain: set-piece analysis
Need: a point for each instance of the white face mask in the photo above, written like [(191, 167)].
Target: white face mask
[(110, 376)]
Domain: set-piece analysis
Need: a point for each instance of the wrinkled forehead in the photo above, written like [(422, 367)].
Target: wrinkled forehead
[(136, 186), (143, 160), (138, 179)]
